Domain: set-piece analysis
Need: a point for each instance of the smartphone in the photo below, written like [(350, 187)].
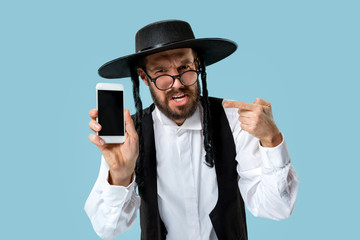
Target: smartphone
[(110, 106)]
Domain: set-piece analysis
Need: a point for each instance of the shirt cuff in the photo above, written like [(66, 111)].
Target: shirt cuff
[(275, 157), (115, 196)]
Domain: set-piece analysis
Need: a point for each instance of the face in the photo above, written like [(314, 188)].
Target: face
[(179, 102)]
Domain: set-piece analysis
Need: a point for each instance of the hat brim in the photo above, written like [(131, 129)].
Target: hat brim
[(212, 50)]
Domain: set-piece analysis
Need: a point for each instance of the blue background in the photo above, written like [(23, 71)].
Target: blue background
[(302, 56)]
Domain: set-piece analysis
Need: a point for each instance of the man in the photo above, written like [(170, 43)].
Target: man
[(195, 160)]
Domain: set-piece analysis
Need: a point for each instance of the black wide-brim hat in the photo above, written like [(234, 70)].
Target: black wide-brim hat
[(166, 35)]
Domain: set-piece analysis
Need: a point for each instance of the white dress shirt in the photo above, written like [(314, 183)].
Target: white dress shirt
[(187, 187)]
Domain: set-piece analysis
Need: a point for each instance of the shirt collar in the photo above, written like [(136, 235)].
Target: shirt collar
[(192, 123)]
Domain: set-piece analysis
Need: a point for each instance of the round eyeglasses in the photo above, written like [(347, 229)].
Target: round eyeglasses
[(166, 81)]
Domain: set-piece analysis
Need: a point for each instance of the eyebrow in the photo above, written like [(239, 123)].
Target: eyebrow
[(158, 67), (187, 61)]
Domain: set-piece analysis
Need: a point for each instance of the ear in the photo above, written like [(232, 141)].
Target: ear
[(197, 63), (143, 77)]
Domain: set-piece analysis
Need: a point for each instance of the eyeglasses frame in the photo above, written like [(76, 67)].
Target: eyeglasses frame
[(173, 77)]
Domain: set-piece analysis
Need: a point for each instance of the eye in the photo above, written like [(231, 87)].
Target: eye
[(183, 68)]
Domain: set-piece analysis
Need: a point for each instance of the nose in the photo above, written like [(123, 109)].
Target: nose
[(177, 83)]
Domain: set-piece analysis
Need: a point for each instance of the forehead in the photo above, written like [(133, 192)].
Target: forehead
[(170, 56)]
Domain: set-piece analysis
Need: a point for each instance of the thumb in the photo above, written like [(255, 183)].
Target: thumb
[(262, 102), (129, 124)]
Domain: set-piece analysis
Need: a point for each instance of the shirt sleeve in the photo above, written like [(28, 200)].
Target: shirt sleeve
[(111, 209), (267, 181)]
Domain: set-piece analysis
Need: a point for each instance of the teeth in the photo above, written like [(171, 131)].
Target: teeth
[(178, 98)]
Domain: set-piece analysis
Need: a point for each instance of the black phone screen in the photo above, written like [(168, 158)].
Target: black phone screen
[(111, 112)]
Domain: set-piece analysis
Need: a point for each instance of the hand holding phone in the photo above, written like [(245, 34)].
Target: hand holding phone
[(120, 157)]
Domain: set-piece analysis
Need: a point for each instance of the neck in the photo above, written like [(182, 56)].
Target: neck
[(179, 122)]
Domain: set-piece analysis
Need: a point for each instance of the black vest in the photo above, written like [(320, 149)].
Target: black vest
[(228, 216)]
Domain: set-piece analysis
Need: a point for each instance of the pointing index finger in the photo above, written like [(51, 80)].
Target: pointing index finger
[(240, 105)]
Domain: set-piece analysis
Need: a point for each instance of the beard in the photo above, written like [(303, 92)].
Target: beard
[(185, 111)]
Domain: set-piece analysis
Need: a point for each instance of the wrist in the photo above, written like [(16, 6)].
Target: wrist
[(122, 180), (271, 141)]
